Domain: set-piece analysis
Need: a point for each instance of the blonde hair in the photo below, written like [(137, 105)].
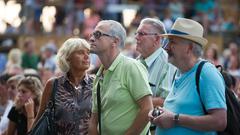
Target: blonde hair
[(15, 56), (68, 47), (34, 85)]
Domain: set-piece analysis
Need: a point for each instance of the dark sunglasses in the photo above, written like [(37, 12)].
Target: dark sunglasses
[(98, 34)]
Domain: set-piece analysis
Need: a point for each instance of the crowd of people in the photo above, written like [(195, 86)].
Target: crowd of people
[(119, 94), (112, 79), (216, 16)]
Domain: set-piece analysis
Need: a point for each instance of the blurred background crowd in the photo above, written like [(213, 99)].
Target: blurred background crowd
[(31, 31)]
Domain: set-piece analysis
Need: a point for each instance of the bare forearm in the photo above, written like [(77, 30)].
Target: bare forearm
[(157, 101), (200, 122), (30, 123), (141, 119), (93, 122)]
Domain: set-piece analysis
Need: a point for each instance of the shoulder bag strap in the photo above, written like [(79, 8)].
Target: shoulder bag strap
[(51, 102), (199, 69), (52, 105), (99, 107)]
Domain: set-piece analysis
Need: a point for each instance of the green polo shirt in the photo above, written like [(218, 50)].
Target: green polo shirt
[(123, 84)]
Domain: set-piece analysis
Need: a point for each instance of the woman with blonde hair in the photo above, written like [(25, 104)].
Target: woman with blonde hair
[(13, 65), (73, 89), (22, 114)]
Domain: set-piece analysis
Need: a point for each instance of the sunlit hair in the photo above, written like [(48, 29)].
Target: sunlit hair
[(15, 56), (157, 24), (15, 78), (116, 30), (34, 85), (68, 47)]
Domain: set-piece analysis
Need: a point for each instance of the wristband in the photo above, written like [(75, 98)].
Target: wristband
[(176, 118)]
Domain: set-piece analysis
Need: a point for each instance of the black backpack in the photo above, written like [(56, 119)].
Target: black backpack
[(233, 106)]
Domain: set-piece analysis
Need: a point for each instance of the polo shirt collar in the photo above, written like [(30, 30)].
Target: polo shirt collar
[(150, 59), (118, 59)]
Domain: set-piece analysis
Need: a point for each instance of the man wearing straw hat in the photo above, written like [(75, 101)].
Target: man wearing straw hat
[(183, 111)]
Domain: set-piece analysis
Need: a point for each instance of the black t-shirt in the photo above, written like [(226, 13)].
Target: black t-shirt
[(19, 119)]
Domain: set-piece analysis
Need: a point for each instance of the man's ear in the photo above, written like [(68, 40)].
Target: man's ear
[(116, 41), (159, 39), (190, 48)]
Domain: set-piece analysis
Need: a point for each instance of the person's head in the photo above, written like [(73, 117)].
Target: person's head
[(12, 85), (234, 62), (148, 36), (233, 48), (31, 72), (73, 55), (185, 42), (48, 51), (3, 85), (29, 45), (14, 69), (29, 87), (15, 56), (107, 35), (211, 53)]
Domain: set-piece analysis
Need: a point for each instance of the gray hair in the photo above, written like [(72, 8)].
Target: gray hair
[(197, 48), (68, 47), (116, 30), (157, 24)]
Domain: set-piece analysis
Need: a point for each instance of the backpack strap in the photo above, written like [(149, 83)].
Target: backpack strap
[(198, 72)]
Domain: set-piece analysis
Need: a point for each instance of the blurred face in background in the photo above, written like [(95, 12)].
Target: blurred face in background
[(3, 90), (12, 89), (23, 95), (29, 46)]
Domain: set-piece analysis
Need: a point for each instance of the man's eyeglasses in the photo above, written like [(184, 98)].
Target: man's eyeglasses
[(145, 34), (98, 34)]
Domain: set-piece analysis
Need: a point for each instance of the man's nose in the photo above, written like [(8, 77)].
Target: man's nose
[(91, 39)]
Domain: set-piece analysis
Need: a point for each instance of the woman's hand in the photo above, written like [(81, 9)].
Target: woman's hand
[(29, 107)]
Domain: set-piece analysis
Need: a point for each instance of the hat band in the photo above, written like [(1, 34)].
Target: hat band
[(178, 32)]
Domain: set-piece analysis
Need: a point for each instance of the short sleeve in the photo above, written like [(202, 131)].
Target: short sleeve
[(137, 80), (12, 115), (212, 87)]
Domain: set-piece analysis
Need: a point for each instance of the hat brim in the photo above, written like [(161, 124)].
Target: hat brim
[(202, 41)]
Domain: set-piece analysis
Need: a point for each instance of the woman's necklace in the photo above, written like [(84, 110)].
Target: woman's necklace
[(76, 87)]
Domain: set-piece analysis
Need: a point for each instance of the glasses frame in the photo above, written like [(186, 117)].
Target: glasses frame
[(98, 34), (145, 34)]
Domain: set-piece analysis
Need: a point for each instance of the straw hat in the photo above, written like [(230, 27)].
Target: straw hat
[(188, 29)]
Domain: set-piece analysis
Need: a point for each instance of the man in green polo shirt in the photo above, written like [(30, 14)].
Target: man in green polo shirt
[(125, 94)]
